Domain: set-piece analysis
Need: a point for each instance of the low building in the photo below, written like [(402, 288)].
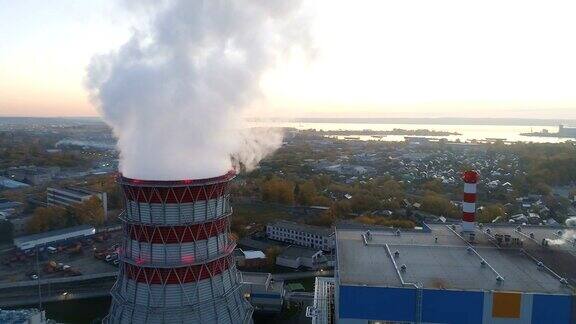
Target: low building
[(250, 259), (262, 291), (439, 276), (315, 237), (67, 196), (6, 183), (32, 174), (295, 257), (52, 237)]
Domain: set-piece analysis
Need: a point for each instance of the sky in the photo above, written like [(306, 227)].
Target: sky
[(372, 58)]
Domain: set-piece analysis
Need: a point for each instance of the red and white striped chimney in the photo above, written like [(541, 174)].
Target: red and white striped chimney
[(469, 204)]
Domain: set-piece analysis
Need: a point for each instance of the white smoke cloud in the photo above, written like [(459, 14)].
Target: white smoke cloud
[(174, 94)]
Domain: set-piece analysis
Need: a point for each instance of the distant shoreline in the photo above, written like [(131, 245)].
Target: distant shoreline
[(324, 120), (430, 121)]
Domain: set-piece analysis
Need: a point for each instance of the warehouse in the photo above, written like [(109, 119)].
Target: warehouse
[(43, 239), (491, 275)]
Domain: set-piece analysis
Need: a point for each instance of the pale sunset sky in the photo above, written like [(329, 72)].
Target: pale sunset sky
[(373, 58)]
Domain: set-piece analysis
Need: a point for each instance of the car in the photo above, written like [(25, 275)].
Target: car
[(34, 277), (52, 249), (111, 257), (116, 262)]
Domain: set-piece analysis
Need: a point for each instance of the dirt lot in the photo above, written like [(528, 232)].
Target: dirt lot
[(82, 260)]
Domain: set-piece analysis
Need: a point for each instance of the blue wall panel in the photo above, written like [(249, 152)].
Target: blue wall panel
[(551, 309), (375, 303), (452, 307)]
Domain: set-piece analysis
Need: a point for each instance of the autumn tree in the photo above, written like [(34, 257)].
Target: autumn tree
[(438, 205), (278, 190), (271, 254), (306, 194), (47, 219), (89, 212), (490, 213), (433, 186)]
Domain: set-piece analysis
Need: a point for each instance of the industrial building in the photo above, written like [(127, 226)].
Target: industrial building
[(301, 234), (298, 257), (53, 237), (74, 195), (264, 293), (176, 264), (450, 273)]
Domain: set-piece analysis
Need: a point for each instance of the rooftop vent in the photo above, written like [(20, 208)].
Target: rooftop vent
[(403, 268), (499, 279), (398, 232), (532, 235), (519, 229), (397, 254), (469, 249), (483, 263), (488, 231), (540, 265), (564, 281)]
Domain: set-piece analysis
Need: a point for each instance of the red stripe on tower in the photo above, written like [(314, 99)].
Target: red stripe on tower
[(469, 203)]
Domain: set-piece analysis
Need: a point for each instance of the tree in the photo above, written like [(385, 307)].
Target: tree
[(392, 189), (438, 205), (490, 213), (433, 186), (364, 202), (307, 193), (278, 190), (47, 219), (271, 254), (89, 212), (383, 221)]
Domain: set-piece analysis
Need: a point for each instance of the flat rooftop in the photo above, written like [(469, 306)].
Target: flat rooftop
[(321, 231), (38, 236), (444, 258)]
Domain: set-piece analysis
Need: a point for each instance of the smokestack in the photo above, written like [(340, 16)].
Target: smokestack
[(469, 203), (176, 262)]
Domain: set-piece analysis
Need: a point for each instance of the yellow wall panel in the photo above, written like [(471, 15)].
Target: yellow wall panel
[(506, 304)]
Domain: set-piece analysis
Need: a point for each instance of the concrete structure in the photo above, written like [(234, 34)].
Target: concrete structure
[(301, 234), (176, 261), (437, 276), (295, 257), (52, 237), (263, 292), (469, 202), (74, 195)]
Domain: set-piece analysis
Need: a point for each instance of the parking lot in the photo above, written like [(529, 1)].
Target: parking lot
[(78, 257)]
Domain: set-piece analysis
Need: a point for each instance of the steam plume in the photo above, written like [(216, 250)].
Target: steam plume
[(568, 236), (174, 94)]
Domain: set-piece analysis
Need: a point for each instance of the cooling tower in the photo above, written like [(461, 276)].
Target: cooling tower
[(176, 259)]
